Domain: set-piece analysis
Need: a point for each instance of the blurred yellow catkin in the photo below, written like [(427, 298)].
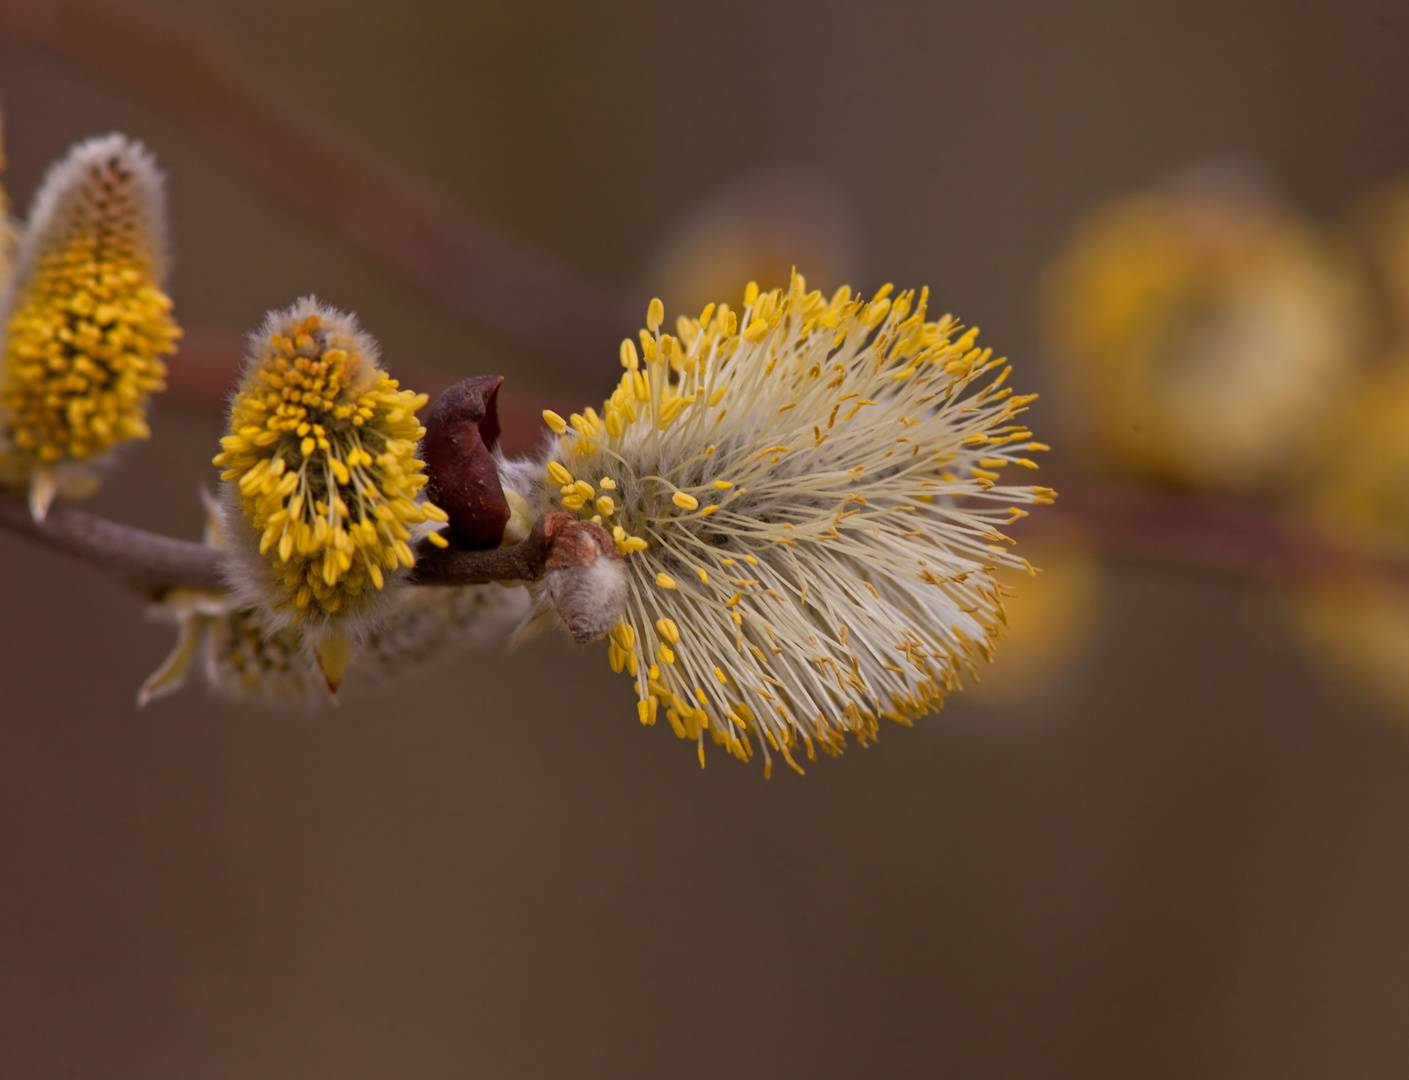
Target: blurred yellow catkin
[(1358, 628), (1203, 330), (758, 229), (1380, 225)]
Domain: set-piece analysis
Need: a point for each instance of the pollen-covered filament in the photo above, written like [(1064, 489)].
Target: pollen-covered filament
[(323, 449), (807, 502), (84, 345)]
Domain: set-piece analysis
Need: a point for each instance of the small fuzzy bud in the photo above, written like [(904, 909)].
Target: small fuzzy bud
[(461, 431), (584, 582)]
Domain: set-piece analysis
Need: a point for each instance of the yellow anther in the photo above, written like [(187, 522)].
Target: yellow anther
[(684, 501), (629, 359), (624, 635), (669, 410), (554, 421)]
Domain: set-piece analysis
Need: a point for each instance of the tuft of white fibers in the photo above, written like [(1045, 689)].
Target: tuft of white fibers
[(807, 504), (589, 600)]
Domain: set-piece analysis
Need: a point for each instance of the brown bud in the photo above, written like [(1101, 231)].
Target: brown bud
[(461, 430)]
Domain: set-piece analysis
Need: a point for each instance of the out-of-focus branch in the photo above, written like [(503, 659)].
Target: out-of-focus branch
[(1222, 539), (431, 241)]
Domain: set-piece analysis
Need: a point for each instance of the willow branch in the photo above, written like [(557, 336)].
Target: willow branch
[(146, 560), (456, 566), (1168, 531), (153, 563), (432, 242), (1218, 539)]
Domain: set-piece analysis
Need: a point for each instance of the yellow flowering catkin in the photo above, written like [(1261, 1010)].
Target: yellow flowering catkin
[(86, 322), (321, 469), (1203, 333), (806, 501)]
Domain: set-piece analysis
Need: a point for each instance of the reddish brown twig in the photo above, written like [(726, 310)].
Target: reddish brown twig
[(1168, 531), (148, 561), (153, 563), (458, 566), (1223, 539)]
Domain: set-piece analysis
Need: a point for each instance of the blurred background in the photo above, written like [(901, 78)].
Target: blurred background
[(1165, 837)]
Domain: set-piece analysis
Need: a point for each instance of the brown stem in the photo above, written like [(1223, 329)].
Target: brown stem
[(434, 243), (1223, 539), (1169, 531), (153, 563), (148, 561), (457, 566)]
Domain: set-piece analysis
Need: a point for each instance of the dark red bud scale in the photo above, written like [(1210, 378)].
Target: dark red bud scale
[(462, 428)]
